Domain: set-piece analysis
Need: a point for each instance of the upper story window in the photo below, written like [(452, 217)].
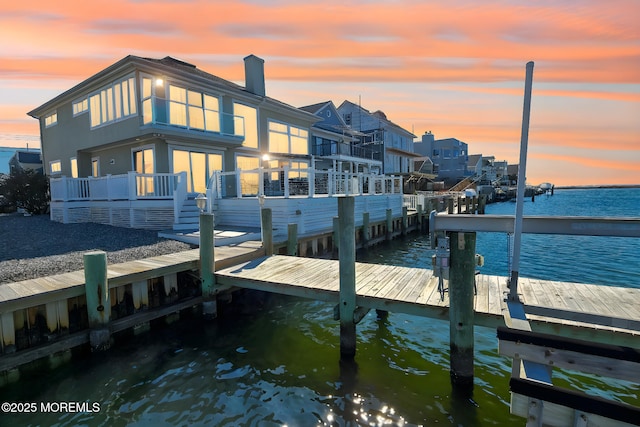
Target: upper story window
[(285, 138), (80, 107), (194, 110), (51, 119), (247, 127), (114, 102)]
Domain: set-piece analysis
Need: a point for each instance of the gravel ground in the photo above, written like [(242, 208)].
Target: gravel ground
[(35, 246)]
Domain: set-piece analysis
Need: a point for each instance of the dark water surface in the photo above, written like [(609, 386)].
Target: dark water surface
[(273, 360)]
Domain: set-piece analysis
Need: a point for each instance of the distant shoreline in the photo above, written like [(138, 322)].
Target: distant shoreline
[(590, 187)]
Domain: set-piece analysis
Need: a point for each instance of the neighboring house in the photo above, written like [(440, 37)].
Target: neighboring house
[(381, 135), (510, 174), (449, 156), (474, 165), (133, 144), (337, 146), (24, 160)]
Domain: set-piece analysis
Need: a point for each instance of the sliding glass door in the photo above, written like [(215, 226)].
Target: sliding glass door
[(199, 167)]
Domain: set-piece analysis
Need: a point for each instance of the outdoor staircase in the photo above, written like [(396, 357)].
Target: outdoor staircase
[(189, 216)]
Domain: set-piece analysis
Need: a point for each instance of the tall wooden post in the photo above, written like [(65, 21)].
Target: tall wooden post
[(98, 303), (462, 275), (420, 219), (347, 265), (267, 230), (292, 239), (389, 224), (207, 266)]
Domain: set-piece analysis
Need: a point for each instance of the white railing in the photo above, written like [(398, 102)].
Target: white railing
[(132, 186), (284, 182), (412, 201)]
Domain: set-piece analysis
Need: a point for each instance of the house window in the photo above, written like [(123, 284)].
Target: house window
[(193, 110), (55, 167), (80, 107), (74, 167), (298, 170), (95, 166), (113, 103), (246, 124), (436, 153), (51, 119), (284, 138)]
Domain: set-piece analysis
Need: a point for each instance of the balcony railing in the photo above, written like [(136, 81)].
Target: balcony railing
[(334, 148), (165, 113), (286, 182)]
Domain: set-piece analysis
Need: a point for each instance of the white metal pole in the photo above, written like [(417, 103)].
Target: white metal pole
[(522, 169)]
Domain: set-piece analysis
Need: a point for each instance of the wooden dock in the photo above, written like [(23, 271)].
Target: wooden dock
[(571, 309)]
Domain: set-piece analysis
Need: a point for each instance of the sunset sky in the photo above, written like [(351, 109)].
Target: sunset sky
[(455, 68)]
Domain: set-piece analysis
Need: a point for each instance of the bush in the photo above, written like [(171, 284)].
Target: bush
[(28, 190)]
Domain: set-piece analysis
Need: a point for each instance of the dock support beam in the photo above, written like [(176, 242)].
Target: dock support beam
[(267, 230), (366, 229), (405, 220), (347, 265), (462, 275), (98, 303), (389, 224), (292, 240), (207, 266)]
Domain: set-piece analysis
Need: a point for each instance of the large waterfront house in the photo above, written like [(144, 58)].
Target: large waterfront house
[(131, 146), (392, 143)]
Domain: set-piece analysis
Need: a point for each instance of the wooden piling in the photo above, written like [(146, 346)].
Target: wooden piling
[(482, 204), (420, 219), (292, 240), (366, 229), (405, 219), (7, 333), (267, 230), (389, 234), (347, 266), (98, 303), (207, 266), (462, 276), (140, 294)]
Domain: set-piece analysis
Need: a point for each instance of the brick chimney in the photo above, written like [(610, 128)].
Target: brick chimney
[(254, 74)]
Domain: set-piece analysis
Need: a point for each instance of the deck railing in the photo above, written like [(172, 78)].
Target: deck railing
[(131, 186), (286, 182)]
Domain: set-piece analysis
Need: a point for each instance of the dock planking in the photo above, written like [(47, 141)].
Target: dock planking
[(414, 291), (41, 290)]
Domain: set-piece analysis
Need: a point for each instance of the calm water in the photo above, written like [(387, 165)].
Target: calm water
[(274, 360)]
